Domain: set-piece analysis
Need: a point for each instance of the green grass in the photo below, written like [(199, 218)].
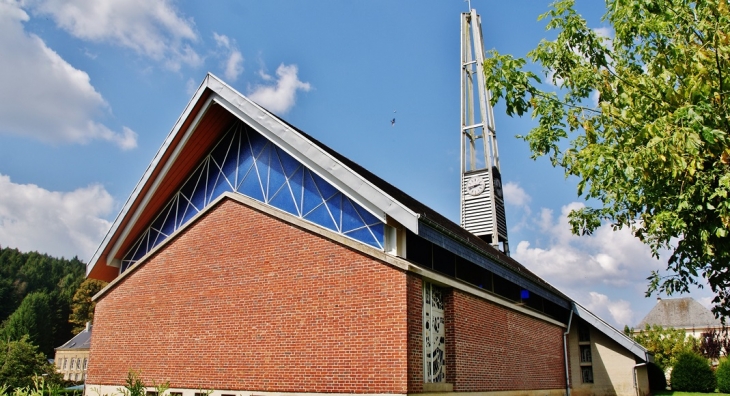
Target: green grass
[(676, 393)]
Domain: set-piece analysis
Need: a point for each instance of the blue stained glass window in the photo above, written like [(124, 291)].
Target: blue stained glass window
[(334, 204), (289, 163), (283, 200), (311, 197), (251, 186), (276, 177), (321, 216), (364, 235), (245, 166), (297, 188), (258, 169), (325, 189), (350, 218)]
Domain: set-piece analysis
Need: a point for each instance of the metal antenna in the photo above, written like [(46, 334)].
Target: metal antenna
[(482, 203)]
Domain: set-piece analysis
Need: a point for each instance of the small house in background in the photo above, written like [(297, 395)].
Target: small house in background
[(681, 313), (72, 358)]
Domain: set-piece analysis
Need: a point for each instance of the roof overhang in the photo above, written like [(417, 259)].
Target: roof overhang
[(215, 103), (632, 346)]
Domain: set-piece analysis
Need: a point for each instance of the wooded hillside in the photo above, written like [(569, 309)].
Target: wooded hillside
[(37, 298)]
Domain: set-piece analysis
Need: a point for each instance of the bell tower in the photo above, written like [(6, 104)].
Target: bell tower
[(482, 203)]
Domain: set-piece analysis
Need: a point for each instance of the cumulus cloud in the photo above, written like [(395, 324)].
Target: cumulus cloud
[(515, 196), (233, 64), (58, 223), (151, 28), (281, 96), (608, 257), (45, 97), (619, 310), (593, 269)]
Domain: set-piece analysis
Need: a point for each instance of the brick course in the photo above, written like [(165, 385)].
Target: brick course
[(242, 300), (497, 349)]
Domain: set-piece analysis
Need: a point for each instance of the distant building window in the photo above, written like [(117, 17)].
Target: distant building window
[(73, 361), (175, 393), (65, 360), (76, 377), (584, 332), (86, 362), (585, 354), (587, 374)]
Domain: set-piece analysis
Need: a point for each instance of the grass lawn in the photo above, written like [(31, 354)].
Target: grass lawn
[(673, 393)]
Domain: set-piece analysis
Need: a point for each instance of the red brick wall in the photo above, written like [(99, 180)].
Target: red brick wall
[(243, 301), (499, 349), (415, 334)]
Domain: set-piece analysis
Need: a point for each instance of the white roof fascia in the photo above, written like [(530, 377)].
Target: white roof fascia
[(148, 172), (158, 181), (315, 158), (612, 333), (349, 182)]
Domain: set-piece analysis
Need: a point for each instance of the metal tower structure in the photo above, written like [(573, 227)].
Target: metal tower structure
[(482, 203)]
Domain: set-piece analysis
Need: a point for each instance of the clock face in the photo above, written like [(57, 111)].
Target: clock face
[(475, 186), (498, 187)]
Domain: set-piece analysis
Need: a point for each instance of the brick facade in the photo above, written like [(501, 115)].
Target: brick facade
[(491, 348), (242, 300)]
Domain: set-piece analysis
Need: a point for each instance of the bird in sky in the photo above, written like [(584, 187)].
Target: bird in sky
[(392, 122)]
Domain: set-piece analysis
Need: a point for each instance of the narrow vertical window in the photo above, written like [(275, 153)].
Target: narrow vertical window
[(434, 334)]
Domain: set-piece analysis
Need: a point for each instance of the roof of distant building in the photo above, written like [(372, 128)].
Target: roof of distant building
[(80, 341), (679, 313)]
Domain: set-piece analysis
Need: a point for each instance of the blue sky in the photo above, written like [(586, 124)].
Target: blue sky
[(90, 93)]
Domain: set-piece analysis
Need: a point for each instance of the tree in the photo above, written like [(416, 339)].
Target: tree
[(20, 361), (34, 319), (82, 307), (666, 344), (642, 121)]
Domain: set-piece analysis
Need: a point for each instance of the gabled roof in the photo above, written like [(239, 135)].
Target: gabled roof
[(80, 341), (679, 313), (632, 346), (216, 105)]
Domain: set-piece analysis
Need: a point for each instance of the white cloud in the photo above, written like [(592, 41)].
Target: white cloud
[(620, 310), (608, 257), (593, 269), (58, 223), (44, 96), (515, 195), (233, 65), (281, 97), (150, 28)]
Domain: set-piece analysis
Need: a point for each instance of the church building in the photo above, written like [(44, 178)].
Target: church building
[(251, 259)]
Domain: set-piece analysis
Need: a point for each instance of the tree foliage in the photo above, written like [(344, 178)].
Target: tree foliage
[(31, 320), (82, 308), (693, 373), (666, 344), (20, 362), (642, 121), (723, 375), (51, 282)]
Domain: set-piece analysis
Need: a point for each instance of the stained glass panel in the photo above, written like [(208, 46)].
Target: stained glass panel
[(261, 171)]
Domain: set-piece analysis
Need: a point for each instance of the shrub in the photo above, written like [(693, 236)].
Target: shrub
[(657, 379), (692, 373), (723, 375)]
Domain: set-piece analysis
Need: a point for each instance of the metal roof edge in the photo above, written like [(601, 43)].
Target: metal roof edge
[(148, 172), (313, 156), (632, 346), (284, 136)]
